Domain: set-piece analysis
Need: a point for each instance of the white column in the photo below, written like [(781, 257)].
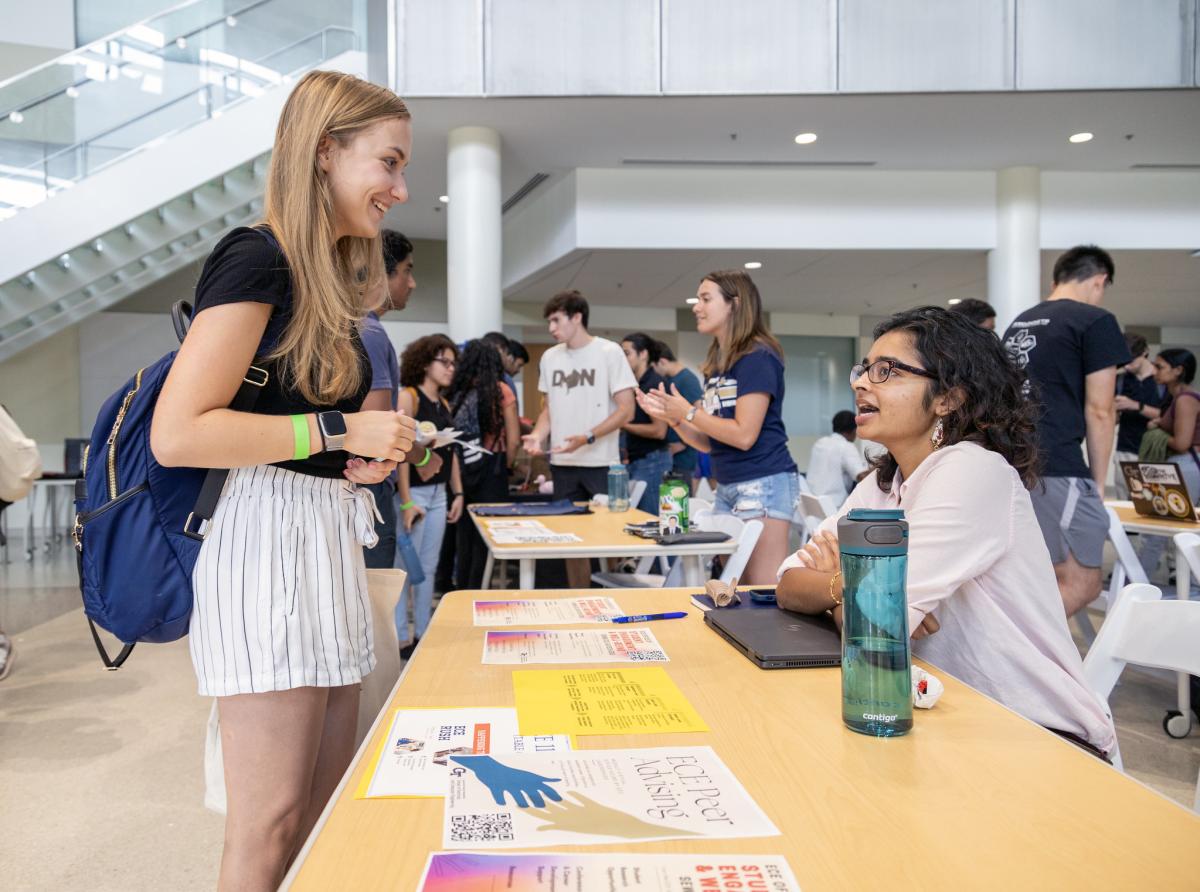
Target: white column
[(473, 232), (1014, 265)]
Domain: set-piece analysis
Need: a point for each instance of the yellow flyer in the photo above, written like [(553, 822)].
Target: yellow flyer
[(601, 701)]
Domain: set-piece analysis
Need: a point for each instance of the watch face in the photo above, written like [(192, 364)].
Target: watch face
[(332, 424)]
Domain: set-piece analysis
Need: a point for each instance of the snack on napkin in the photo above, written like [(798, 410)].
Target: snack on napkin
[(926, 689), (723, 594), (426, 431)]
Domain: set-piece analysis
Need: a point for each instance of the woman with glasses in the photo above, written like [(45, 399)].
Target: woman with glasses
[(942, 397), (484, 409), (426, 369), (739, 422)]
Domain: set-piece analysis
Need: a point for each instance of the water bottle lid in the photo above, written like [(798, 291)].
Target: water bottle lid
[(616, 466), (879, 532)]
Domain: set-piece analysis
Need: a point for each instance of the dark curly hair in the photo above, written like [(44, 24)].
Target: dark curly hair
[(479, 371), (994, 412), (419, 354)]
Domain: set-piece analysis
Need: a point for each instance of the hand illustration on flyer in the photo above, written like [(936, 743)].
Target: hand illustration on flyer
[(573, 872), (596, 797)]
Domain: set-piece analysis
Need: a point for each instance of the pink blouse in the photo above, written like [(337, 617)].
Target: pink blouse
[(977, 561)]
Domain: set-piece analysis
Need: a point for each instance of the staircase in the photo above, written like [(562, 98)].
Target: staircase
[(127, 159)]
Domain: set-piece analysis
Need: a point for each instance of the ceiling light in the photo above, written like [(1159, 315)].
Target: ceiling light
[(753, 264), (804, 139), (72, 92), (444, 199), (693, 300), (1080, 137), (954, 300), (231, 21), (64, 262), (16, 117), (181, 42), (98, 246)]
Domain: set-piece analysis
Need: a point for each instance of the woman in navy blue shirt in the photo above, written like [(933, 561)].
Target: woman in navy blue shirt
[(740, 419)]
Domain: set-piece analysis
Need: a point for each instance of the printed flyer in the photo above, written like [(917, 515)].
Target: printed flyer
[(507, 648), (529, 800), (546, 612), (413, 760), (570, 872)]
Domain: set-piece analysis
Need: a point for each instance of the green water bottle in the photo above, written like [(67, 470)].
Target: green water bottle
[(672, 504)]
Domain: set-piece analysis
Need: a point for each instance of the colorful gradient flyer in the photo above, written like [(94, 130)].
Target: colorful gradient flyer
[(636, 700), (596, 797), (518, 647), (413, 759), (545, 612), (570, 872)]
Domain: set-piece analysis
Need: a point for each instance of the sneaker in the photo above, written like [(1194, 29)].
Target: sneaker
[(7, 655), (406, 652)]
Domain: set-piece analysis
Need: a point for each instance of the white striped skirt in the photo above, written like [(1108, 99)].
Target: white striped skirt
[(280, 586)]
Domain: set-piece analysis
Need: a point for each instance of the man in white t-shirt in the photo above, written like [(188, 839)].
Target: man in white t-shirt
[(835, 465), (588, 394)]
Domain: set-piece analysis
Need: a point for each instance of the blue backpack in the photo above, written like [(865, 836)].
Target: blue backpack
[(138, 525)]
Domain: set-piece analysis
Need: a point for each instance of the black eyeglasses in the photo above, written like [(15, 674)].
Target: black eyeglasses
[(881, 369)]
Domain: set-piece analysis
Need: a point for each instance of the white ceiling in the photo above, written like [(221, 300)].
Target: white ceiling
[(974, 131), (1152, 287)]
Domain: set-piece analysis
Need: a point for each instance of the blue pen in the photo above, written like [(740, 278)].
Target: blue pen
[(648, 616)]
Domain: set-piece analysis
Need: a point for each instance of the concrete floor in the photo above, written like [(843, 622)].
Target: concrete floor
[(101, 774)]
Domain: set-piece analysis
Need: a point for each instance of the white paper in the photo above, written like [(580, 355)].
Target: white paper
[(545, 612), (523, 646), (577, 872), (596, 797), (526, 532), (420, 742)]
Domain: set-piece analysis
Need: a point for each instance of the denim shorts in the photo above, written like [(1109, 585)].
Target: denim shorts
[(776, 496)]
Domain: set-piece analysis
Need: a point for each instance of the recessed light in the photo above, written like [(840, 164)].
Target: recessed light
[(444, 199), (231, 21), (72, 92), (753, 264), (1080, 137), (16, 117), (804, 139), (693, 300), (954, 300), (181, 42)]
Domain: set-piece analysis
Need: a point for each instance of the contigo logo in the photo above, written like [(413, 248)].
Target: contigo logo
[(878, 717)]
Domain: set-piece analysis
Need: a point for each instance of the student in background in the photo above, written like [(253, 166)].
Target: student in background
[(588, 391), (279, 632), (1137, 404), (1070, 348), (423, 504), (392, 294), (645, 437), (978, 311), (484, 408), (835, 466), (940, 395), (675, 373), (741, 422), (1175, 369)]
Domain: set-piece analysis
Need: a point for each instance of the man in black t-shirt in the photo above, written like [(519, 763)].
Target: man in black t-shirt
[(1071, 348), (1139, 400)]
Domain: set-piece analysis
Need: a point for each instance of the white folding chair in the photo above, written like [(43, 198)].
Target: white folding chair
[(636, 491), (1142, 628), (814, 509), (705, 492), (1126, 569), (699, 511)]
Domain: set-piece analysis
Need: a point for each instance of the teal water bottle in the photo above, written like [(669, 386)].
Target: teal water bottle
[(876, 661)]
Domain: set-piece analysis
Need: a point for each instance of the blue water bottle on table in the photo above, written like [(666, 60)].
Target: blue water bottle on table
[(876, 661)]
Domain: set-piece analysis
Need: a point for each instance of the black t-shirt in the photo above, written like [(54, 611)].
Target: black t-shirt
[(1059, 343), (639, 447), (1131, 423), (248, 265), (428, 410)]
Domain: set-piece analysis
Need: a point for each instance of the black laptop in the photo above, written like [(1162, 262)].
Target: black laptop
[(779, 639)]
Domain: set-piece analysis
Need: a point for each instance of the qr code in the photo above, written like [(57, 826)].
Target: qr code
[(481, 828), (647, 655)]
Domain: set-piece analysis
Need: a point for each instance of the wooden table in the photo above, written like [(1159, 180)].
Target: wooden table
[(975, 797), (1180, 725), (602, 534)]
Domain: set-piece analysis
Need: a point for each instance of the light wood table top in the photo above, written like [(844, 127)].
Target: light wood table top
[(1139, 523), (602, 533), (974, 797)]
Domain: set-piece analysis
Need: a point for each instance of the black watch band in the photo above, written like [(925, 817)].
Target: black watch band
[(591, 438)]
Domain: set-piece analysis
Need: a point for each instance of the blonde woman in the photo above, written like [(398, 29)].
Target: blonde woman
[(740, 419), (280, 632)]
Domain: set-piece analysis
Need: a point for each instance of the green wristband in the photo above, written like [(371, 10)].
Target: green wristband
[(409, 504), (423, 462), (300, 429)]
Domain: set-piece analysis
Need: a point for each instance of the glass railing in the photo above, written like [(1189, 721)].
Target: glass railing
[(66, 119)]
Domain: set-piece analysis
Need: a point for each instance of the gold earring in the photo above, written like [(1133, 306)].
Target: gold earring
[(939, 435)]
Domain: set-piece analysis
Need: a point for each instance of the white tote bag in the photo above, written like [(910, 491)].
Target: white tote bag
[(20, 461)]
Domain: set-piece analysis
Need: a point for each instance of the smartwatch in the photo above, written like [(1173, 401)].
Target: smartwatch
[(333, 430), (591, 438)]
